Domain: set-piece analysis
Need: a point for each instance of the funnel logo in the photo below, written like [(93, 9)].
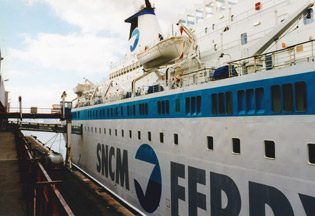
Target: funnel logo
[(150, 197), (135, 36)]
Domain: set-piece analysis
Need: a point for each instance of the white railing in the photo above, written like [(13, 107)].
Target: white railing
[(302, 52)]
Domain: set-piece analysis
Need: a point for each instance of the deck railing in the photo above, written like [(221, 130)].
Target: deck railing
[(286, 57)]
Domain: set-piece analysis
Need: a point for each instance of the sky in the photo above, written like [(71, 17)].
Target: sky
[(49, 46)]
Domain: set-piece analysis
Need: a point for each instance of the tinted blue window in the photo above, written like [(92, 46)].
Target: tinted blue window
[(221, 104), (276, 98), (241, 101), (187, 105), (177, 105), (250, 100), (214, 101), (260, 99), (167, 107), (244, 38), (229, 103), (287, 93)]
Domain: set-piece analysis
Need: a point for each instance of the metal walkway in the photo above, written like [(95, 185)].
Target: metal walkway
[(56, 128)]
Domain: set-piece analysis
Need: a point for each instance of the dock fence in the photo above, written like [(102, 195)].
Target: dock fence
[(39, 190)]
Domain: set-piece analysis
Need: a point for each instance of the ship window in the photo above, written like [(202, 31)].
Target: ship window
[(187, 105), (260, 99), (139, 135), (214, 101), (198, 104), (244, 38), (100, 130), (250, 100), (221, 104), (88, 128), (128, 112), (300, 94), (287, 92), (213, 26), (269, 63), (85, 128), (270, 149), (111, 112), (110, 132), (134, 109), (122, 133), (159, 107), (276, 99), (193, 105), (122, 111), (161, 137), (167, 104), (311, 153), (116, 111), (215, 47), (232, 18), (146, 108), (130, 134), (163, 107), (104, 130), (176, 139), (206, 30), (210, 142), (95, 130), (229, 103), (107, 112), (149, 135), (308, 16), (236, 144), (115, 132)]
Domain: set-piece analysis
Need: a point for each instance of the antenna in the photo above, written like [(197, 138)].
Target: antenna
[(148, 4)]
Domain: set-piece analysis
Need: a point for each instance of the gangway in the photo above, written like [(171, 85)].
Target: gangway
[(56, 128)]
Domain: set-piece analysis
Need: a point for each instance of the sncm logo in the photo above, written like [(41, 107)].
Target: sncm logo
[(150, 197)]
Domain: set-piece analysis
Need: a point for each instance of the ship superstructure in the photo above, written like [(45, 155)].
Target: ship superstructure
[(215, 119)]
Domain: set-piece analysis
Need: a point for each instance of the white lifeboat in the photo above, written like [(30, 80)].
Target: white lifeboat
[(165, 52), (79, 89)]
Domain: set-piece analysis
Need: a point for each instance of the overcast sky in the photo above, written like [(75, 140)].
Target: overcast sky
[(51, 45)]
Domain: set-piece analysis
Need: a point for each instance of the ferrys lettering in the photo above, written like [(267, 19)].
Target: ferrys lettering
[(135, 36), (105, 162), (260, 195), (150, 197)]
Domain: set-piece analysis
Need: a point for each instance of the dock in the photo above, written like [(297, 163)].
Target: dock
[(29, 187), (11, 199)]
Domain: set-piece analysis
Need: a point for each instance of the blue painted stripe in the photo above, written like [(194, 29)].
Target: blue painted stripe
[(262, 107)]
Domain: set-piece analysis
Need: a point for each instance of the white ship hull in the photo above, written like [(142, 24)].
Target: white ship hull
[(189, 167)]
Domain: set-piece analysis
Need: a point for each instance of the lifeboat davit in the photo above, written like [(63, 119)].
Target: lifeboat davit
[(165, 52)]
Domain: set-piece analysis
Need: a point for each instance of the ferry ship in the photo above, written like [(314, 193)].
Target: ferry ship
[(216, 118)]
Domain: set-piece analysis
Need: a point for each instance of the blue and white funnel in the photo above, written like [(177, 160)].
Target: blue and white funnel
[(144, 29)]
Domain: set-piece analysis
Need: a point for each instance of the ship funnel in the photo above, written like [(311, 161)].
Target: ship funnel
[(144, 28)]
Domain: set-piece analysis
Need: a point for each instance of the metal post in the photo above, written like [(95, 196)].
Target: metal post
[(68, 144), (20, 102)]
